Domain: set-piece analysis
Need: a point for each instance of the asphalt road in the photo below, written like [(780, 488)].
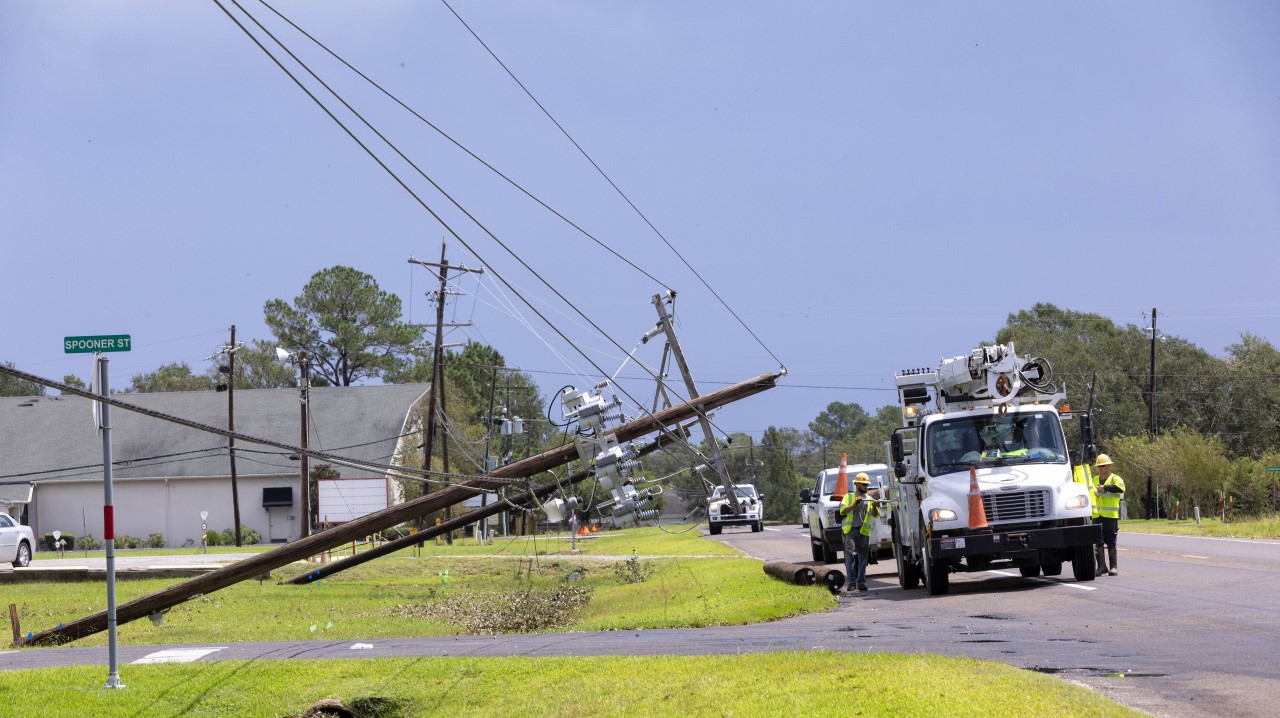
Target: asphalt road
[(1189, 628)]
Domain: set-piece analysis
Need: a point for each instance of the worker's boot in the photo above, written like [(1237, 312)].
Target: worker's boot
[(1113, 572), (1102, 561)]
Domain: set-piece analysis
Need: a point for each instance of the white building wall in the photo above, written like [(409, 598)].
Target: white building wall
[(170, 507)]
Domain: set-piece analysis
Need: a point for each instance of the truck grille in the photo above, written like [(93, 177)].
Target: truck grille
[(1016, 505)]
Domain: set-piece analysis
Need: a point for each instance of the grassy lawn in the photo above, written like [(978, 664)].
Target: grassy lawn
[(506, 587), (764, 684), (511, 586), (1243, 527)]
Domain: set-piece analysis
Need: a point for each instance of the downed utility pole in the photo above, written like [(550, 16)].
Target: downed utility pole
[(165, 599), (457, 522)]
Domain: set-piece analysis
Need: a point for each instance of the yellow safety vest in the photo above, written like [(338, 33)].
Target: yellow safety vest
[(862, 505), (1108, 502)]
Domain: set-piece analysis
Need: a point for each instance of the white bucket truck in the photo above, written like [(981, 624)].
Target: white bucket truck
[(985, 430)]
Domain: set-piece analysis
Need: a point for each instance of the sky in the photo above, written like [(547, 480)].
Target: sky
[(844, 189)]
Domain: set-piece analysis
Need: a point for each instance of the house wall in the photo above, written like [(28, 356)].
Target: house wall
[(170, 507)]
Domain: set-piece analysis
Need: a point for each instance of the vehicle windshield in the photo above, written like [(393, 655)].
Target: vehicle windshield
[(743, 492), (879, 477), (994, 440)]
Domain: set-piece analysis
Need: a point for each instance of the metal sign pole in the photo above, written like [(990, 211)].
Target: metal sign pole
[(108, 526)]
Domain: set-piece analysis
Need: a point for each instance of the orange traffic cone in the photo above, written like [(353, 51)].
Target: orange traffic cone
[(977, 515), (842, 479)]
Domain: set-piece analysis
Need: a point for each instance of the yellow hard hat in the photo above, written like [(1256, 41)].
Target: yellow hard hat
[(862, 479), (1103, 460)]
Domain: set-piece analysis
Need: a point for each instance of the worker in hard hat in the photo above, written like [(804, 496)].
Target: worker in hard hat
[(858, 509), (1084, 474), (1110, 494)]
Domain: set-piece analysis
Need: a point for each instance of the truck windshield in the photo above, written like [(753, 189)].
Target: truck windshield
[(994, 440), (743, 492), (879, 477)]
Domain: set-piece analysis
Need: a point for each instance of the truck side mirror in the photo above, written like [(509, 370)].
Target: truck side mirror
[(900, 470), (805, 496), (895, 449)]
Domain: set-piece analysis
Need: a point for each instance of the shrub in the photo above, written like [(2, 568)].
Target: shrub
[(213, 538), (156, 541), (248, 536), (127, 541), (633, 570), (48, 544), (88, 543)]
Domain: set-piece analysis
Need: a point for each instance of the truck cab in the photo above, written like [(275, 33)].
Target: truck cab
[(825, 535)]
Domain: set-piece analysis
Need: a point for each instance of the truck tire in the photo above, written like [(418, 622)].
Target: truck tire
[(816, 548), (936, 580), (714, 529), (1082, 563), (757, 527), (908, 571), (828, 553)]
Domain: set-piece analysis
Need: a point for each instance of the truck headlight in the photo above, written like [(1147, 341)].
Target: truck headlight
[(1078, 502), (936, 515)]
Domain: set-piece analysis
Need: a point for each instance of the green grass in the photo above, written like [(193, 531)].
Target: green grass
[(387, 598), (1251, 527), (765, 685)]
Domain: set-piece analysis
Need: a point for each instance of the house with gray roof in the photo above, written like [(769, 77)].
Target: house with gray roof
[(165, 474)]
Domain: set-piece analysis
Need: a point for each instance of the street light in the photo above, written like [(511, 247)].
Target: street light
[(302, 360)]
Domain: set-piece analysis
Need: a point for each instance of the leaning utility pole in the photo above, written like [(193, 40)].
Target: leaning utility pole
[(664, 326)]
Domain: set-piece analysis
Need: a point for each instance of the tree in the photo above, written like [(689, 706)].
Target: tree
[(350, 327), (13, 386), (73, 380), (169, 377), (839, 422)]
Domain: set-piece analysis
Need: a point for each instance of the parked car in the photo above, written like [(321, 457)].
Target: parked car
[(17, 542)]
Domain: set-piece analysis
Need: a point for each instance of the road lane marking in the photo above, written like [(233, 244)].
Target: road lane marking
[(1191, 555), (177, 655), (766, 528), (1041, 579)]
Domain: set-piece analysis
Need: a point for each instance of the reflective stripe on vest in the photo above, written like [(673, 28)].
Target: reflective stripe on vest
[(859, 512), (1109, 503)]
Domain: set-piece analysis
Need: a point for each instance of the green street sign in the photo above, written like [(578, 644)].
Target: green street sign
[(88, 345), (1273, 468)]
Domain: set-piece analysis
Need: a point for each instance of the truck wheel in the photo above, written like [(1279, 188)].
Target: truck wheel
[(936, 580), (1082, 563), (714, 529), (828, 553), (817, 550), (757, 527), (908, 572)]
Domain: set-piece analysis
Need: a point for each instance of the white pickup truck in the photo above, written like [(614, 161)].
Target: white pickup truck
[(16, 542), (750, 504), (825, 535)]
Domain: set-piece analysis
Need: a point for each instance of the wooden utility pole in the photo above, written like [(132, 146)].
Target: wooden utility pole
[(435, 392), (304, 390), (231, 426)]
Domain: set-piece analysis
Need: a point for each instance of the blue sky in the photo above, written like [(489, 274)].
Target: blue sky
[(868, 186)]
